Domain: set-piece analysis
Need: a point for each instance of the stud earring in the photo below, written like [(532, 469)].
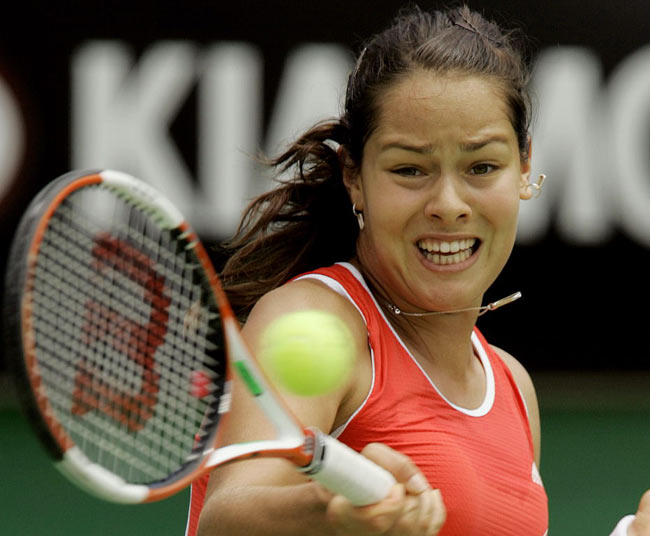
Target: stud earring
[(359, 215)]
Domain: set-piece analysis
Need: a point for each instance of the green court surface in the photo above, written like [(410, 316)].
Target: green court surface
[(38, 501), (595, 466)]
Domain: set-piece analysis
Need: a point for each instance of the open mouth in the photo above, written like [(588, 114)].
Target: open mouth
[(444, 252)]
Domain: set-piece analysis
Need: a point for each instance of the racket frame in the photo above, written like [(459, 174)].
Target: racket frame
[(309, 449)]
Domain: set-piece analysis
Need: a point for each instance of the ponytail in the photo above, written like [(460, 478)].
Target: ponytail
[(304, 223)]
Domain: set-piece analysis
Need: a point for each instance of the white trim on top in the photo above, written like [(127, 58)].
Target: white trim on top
[(488, 400), (340, 289)]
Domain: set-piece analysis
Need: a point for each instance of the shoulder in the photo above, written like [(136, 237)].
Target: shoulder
[(302, 295), (519, 373), (305, 294), (527, 389)]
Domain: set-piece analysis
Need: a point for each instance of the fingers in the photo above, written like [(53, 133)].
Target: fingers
[(373, 519), (412, 507), (644, 504), (438, 513), (400, 465), (641, 524), (399, 514), (424, 514)]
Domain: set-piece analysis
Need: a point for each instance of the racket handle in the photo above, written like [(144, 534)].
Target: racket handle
[(346, 472)]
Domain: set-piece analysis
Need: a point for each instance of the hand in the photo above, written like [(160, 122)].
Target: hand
[(411, 509), (641, 524)]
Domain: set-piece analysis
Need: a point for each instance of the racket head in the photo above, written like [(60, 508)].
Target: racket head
[(113, 328)]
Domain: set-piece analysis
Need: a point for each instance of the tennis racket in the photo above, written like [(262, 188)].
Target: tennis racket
[(123, 346)]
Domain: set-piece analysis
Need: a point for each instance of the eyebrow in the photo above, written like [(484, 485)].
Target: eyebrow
[(421, 149), (476, 145), (429, 148)]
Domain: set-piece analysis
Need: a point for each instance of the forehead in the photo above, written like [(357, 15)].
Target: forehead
[(429, 104)]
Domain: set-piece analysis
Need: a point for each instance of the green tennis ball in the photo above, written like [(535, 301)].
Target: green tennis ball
[(307, 353)]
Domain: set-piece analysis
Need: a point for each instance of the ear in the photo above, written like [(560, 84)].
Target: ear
[(351, 178), (525, 189)]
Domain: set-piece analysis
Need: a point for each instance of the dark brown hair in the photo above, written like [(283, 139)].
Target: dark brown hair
[(307, 222)]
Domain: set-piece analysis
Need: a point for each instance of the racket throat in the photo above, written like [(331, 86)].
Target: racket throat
[(314, 447), (346, 472)]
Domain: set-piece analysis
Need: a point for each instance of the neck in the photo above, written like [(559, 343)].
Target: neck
[(441, 340)]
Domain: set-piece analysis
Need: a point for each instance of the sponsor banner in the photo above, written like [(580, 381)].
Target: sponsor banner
[(187, 95)]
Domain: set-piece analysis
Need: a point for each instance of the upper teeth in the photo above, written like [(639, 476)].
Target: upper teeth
[(441, 246)]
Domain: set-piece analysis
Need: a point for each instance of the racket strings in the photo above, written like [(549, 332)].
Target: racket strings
[(113, 329)]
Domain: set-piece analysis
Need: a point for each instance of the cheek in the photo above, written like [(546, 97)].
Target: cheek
[(389, 214), (502, 202), (384, 227), (502, 219), (388, 206), (508, 212), (502, 212)]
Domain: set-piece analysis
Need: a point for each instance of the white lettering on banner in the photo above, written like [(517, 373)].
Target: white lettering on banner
[(230, 114), (565, 132), (629, 117), (121, 117), (12, 137), (591, 143), (312, 89)]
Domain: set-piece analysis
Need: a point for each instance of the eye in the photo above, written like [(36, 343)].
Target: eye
[(482, 169), (408, 171)]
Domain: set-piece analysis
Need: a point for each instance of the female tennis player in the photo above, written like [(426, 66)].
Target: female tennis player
[(399, 217)]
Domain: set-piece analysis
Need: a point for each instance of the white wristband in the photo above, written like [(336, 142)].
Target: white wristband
[(623, 525)]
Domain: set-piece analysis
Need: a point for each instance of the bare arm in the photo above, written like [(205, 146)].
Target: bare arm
[(273, 505), (268, 496), (239, 497), (527, 389)]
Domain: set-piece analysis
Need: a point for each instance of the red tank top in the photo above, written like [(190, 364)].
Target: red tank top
[(482, 460)]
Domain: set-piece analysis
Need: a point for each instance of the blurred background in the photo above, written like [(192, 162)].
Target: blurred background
[(186, 94)]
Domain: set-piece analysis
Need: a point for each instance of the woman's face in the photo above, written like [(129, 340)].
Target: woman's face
[(439, 186)]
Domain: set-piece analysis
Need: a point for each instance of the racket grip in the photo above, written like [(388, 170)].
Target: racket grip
[(346, 472)]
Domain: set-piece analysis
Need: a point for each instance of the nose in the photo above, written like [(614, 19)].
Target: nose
[(447, 201)]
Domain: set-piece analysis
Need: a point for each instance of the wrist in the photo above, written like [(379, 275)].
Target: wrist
[(321, 495)]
